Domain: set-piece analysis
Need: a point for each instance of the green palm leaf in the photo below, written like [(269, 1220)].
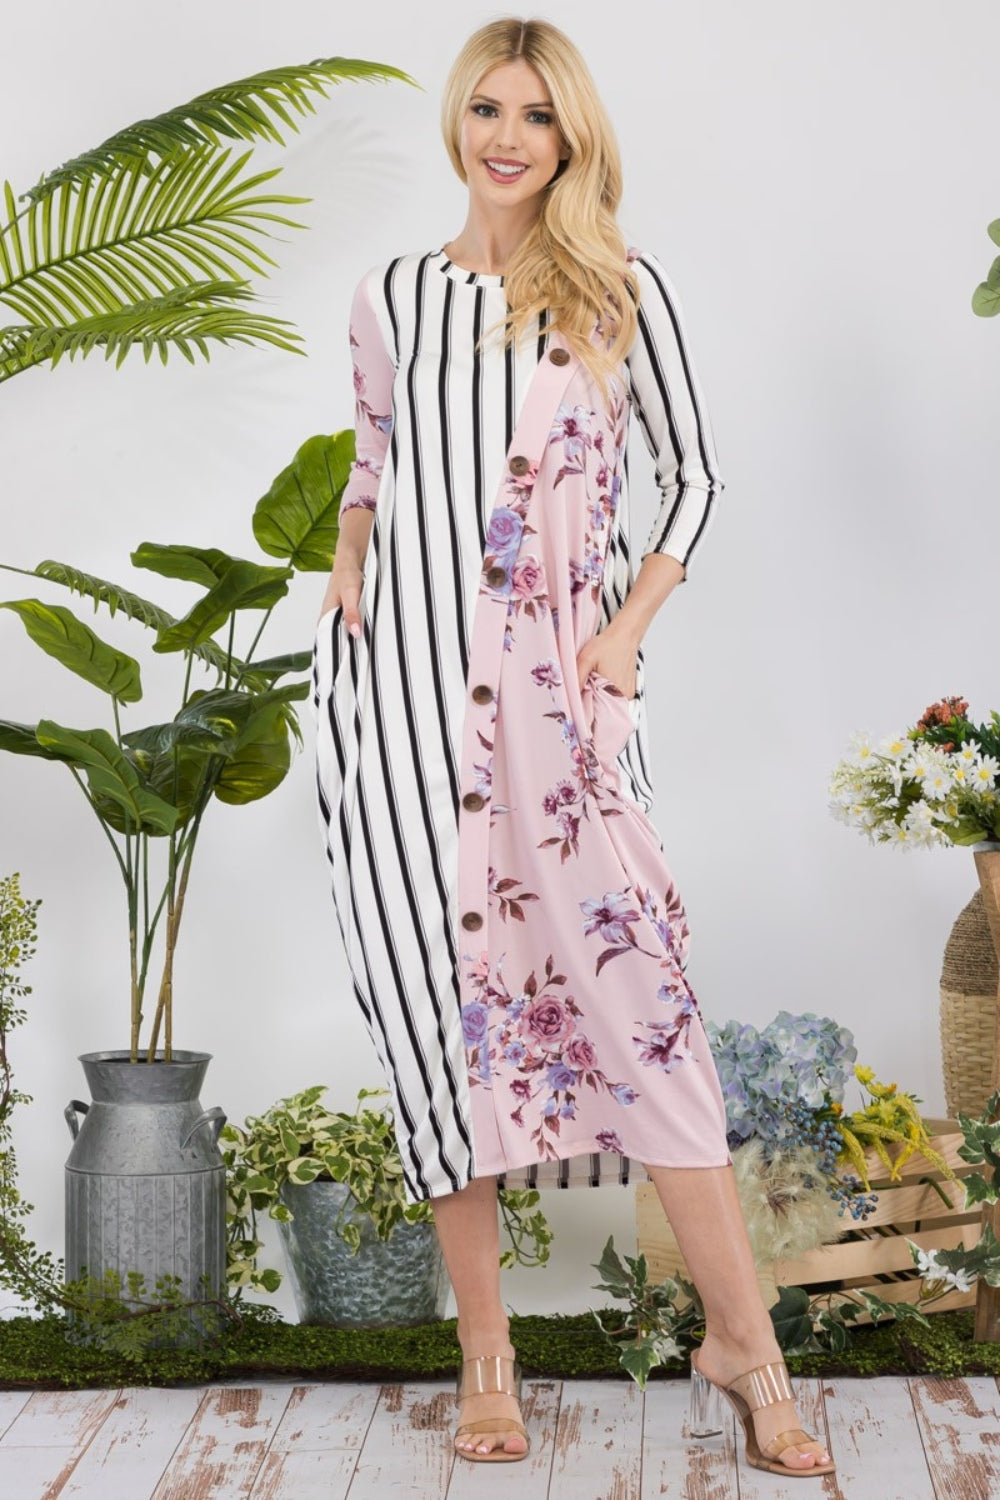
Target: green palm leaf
[(117, 240), (187, 316), (244, 110)]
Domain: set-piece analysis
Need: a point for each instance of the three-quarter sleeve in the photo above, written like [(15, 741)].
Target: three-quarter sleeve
[(670, 408), (373, 376)]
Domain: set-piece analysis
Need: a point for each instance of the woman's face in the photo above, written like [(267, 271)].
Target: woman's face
[(510, 143)]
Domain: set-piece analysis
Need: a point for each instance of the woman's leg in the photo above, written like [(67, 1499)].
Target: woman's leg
[(469, 1234), (706, 1216)]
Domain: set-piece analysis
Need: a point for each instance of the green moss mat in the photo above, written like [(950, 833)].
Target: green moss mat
[(35, 1354)]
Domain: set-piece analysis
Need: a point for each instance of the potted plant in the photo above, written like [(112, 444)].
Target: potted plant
[(149, 789), (359, 1254), (142, 242)]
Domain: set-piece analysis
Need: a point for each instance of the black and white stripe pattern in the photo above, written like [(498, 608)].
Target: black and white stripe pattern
[(390, 705)]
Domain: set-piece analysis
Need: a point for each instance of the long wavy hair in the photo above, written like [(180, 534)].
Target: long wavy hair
[(572, 262)]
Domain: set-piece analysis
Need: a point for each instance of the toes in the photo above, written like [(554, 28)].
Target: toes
[(485, 1442), (804, 1458)]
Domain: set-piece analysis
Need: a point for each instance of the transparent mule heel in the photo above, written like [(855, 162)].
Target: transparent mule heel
[(705, 1413), (764, 1385)]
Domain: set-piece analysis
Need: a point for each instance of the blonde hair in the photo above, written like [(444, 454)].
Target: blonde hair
[(572, 262)]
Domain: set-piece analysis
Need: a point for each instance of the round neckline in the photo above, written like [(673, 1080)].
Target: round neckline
[(465, 276)]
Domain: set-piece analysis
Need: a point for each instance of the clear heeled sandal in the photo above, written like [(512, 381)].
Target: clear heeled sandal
[(491, 1375), (765, 1385)]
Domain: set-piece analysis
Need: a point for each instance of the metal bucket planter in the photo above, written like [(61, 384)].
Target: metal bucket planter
[(390, 1283), (145, 1181)]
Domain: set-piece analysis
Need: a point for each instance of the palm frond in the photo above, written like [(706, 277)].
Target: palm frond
[(187, 318), (245, 110), (113, 241)]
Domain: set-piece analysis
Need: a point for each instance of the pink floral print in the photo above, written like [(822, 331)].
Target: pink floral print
[(580, 1028)]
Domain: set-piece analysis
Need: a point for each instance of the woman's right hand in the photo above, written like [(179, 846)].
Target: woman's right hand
[(344, 588)]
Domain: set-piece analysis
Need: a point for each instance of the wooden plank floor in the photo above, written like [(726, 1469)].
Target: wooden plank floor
[(893, 1439)]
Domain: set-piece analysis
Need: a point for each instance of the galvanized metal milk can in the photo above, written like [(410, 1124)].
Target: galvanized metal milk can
[(145, 1180)]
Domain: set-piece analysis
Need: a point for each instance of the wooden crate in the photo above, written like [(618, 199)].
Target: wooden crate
[(873, 1256)]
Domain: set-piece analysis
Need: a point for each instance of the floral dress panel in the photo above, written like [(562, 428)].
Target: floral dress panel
[(582, 1032)]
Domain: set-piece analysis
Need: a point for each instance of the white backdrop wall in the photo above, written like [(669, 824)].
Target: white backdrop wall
[(818, 182)]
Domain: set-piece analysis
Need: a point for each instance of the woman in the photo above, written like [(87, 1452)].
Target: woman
[(516, 942)]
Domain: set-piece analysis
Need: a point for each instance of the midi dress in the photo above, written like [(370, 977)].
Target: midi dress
[(516, 942)]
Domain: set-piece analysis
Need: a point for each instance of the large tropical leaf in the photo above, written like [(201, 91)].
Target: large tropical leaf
[(278, 666), (244, 585), (298, 516), (118, 240), (261, 759), (204, 565), (193, 735), (61, 635), (133, 606), (240, 110), (223, 714), (21, 739), (110, 774), (192, 315)]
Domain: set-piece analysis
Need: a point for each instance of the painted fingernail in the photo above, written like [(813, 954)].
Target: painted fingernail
[(355, 629)]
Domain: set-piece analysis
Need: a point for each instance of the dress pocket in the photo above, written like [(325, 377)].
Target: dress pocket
[(613, 717)]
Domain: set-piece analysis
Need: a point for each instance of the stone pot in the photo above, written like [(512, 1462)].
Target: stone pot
[(388, 1284)]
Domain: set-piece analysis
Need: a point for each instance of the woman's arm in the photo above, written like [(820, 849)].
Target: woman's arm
[(373, 376), (670, 408)]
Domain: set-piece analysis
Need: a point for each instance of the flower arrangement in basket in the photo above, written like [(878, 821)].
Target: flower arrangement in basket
[(799, 1156), (936, 783), (803, 1169)]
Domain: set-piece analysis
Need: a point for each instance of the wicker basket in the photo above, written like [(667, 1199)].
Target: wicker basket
[(873, 1255), (969, 978)]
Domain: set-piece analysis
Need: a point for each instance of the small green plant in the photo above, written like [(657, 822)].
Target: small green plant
[(31, 1274), (298, 1141), (656, 1325), (959, 1269), (805, 1324), (121, 1315)]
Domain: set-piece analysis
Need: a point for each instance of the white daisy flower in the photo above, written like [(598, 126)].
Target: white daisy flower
[(984, 772), (896, 747), (861, 747), (938, 781), (967, 754), (920, 816)]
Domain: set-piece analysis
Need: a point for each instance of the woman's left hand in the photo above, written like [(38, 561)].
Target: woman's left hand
[(612, 653)]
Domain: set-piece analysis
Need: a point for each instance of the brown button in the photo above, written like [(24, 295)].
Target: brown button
[(519, 464), (472, 921), (482, 693), (473, 801), (496, 576), (559, 356)]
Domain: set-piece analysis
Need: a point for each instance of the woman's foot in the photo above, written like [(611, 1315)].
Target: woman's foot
[(489, 1406), (723, 1358)]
